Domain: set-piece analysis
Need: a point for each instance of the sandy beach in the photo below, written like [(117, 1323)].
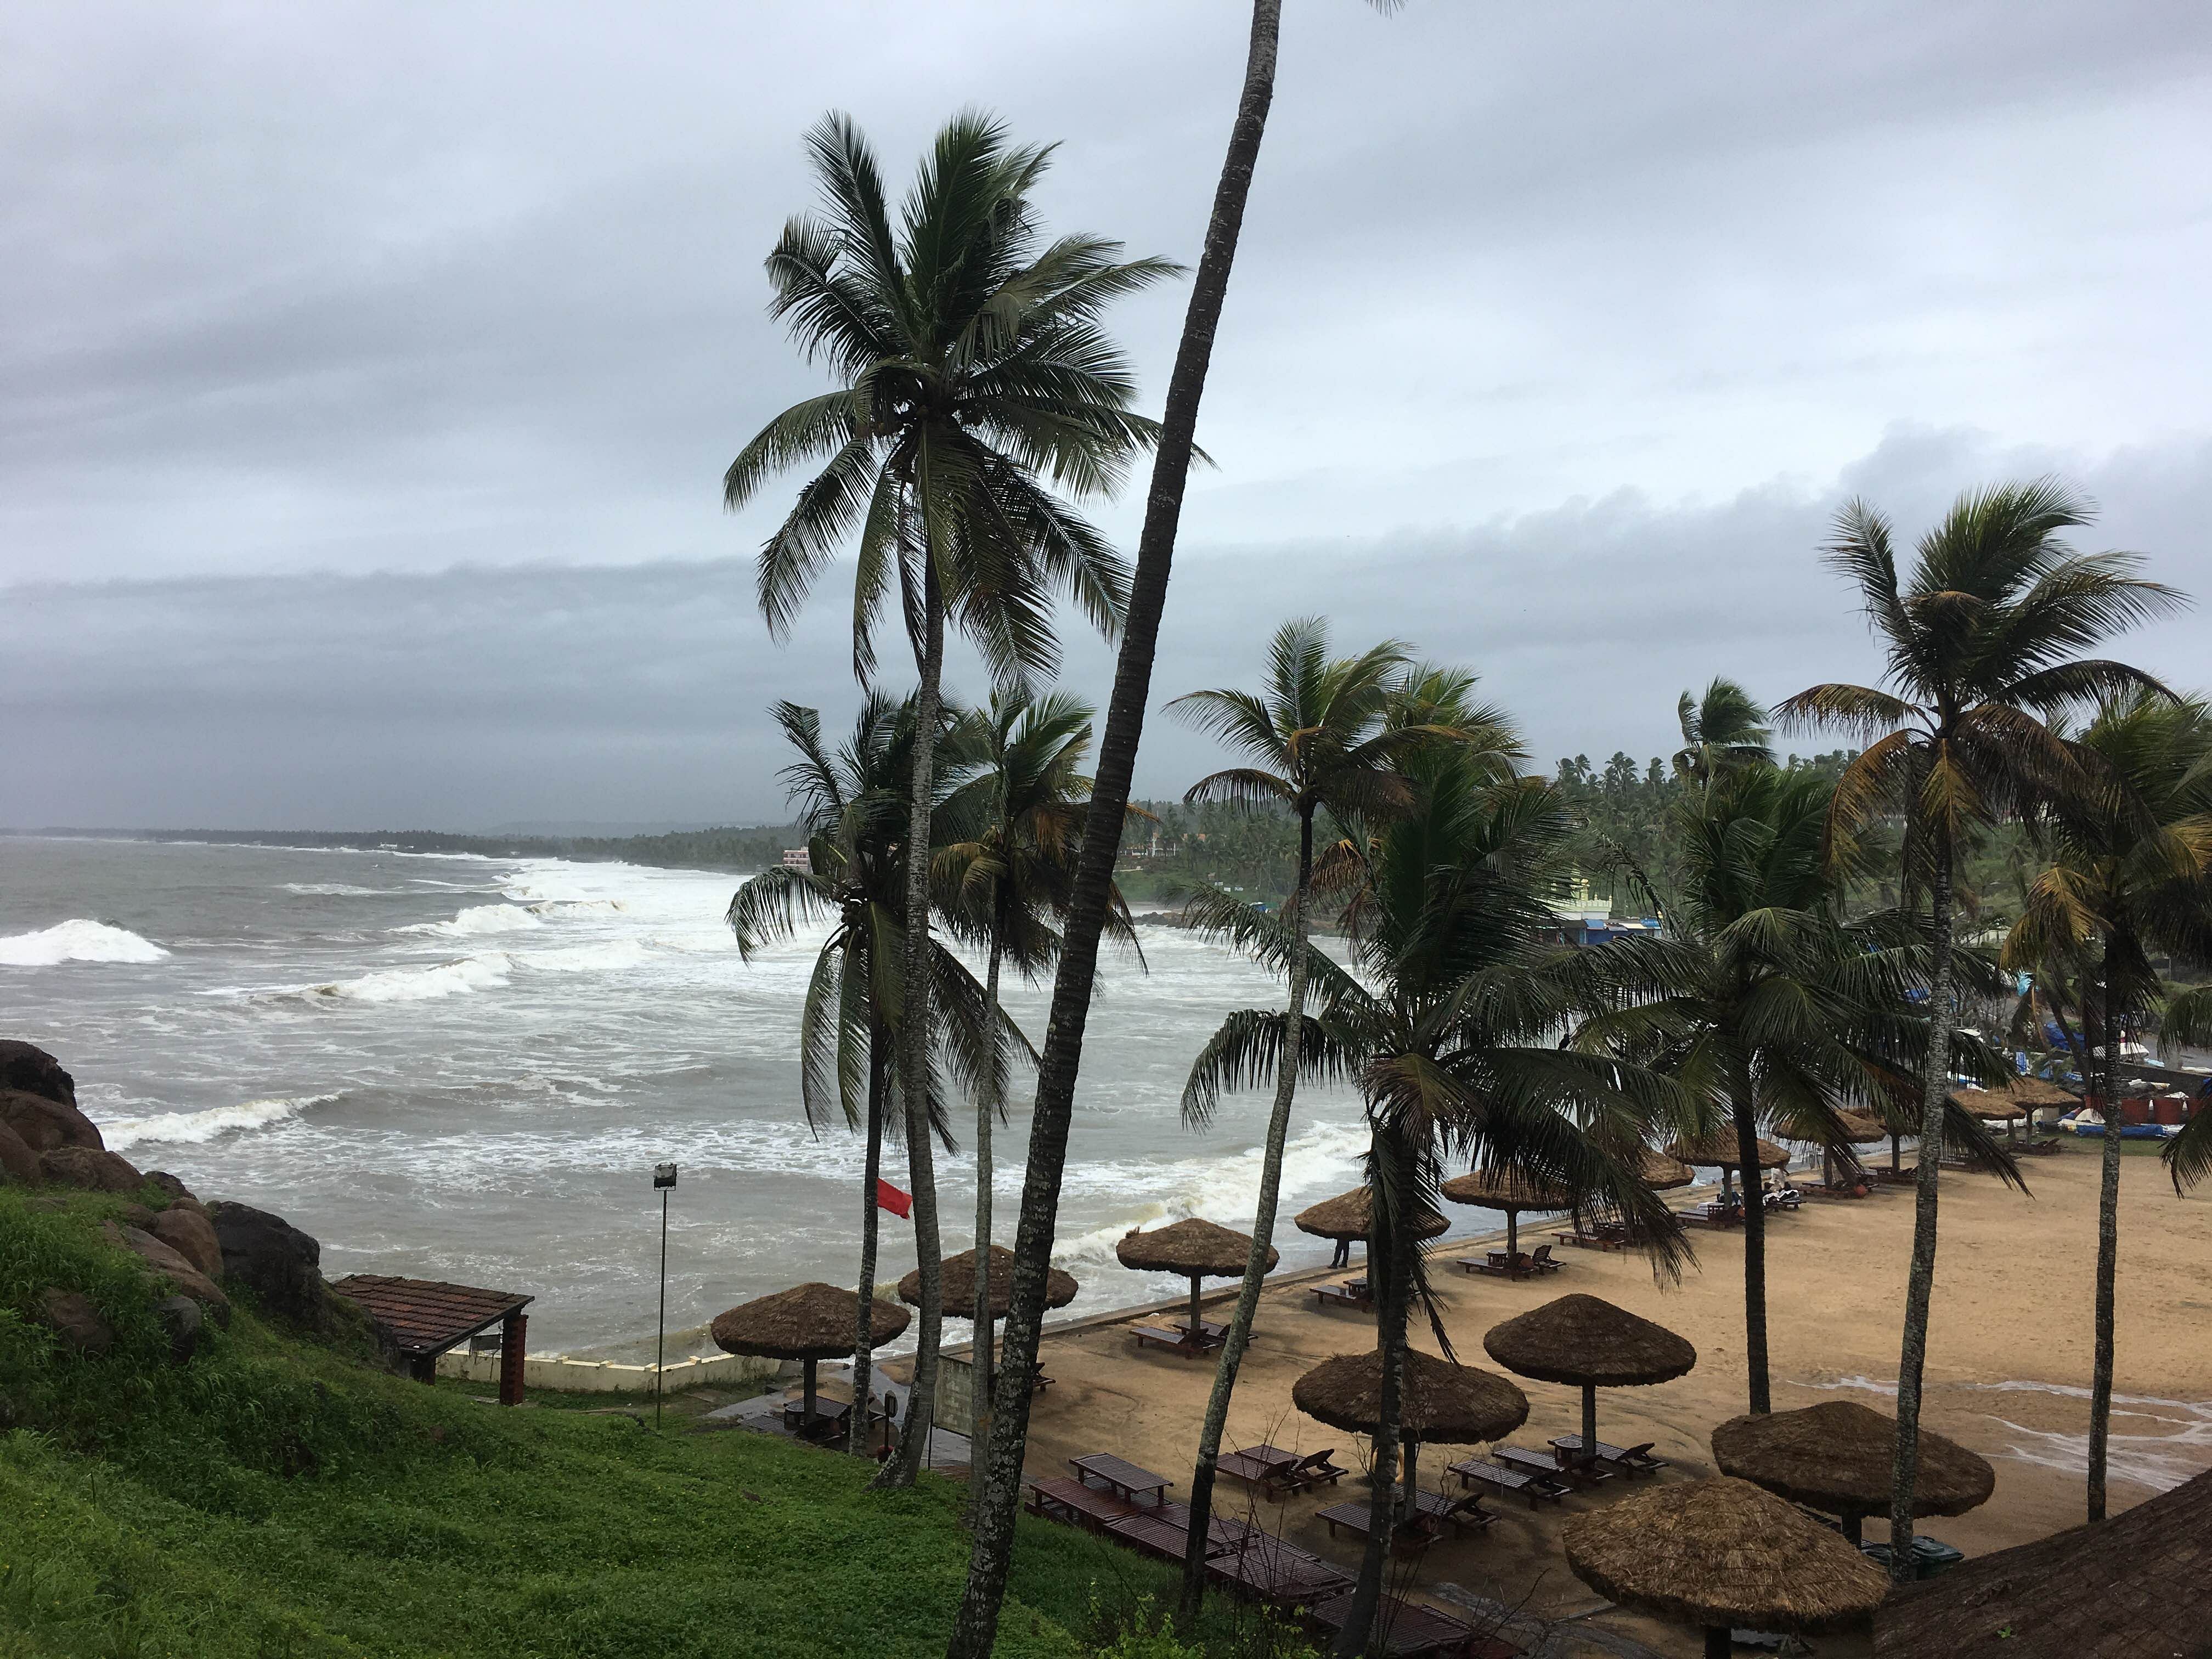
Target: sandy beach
[(2008, 1368)]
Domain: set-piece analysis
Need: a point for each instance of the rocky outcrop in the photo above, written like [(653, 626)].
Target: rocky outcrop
[(75, 1320), (191, 1236), (281, 1265), (175, 1268), (176, 1190), (27, 1066), (45, 1124), (90, 1168), (18, 1164)]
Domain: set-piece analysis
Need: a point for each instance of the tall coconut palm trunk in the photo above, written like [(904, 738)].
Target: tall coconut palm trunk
[(1263, 1234), (914, 1034), (1920, 1285), (975, 1627), (986, 1111), (1755, 1248), (864, 1340), (2108, 1243), (1390, 1249)]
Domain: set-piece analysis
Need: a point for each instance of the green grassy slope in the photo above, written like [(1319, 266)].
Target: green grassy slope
[(273, 1497)]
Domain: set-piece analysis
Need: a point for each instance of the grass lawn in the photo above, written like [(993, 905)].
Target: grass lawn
[(275, 1498)]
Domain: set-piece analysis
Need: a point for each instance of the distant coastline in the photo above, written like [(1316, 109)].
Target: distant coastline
[(750, 847)]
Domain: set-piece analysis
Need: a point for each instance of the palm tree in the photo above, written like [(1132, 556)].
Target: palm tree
[(1003, 887), (1455, 1048), (853, 803), (1324, 733), (2131, 877), (1723, 731), (1763, 1001), (975, 1626), (1980, 646), (971, 363)]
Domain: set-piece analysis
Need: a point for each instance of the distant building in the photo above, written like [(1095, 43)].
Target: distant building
[(797, 858), (1591, 921)]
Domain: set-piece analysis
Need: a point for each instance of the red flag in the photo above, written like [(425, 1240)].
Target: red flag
[(889, 1197)]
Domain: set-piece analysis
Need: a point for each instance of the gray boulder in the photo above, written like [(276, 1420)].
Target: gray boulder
[(184, 1321), (44, 1124), (281, 1265), (176, 1269), (25, 1065), (90, 1168), (176, 1189), (75, 1320)]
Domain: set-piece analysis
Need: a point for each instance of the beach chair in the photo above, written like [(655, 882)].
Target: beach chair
[(1411, 1537), (1510, 1483), (1541, 1259), (1501, 1264), (1315, 1470), (1630, 1460), (1077, 1503), (1340, 1296), (1405, 1630), (1577, 1475), (1462, 1514), (1269, 1570), (1181, 1341)]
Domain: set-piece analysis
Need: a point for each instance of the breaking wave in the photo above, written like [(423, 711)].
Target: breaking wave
[(476, 921), (488, 972), (335, 890), (77, 940), (196, 1128)]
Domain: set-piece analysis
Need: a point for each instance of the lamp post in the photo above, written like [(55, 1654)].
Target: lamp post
[(664, 1182)]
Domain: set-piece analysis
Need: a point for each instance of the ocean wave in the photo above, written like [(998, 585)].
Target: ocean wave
[(488, 972), (477, 920), (77, 940), (196, 1128), (335, 890)]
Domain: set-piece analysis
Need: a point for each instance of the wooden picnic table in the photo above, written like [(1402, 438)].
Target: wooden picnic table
[(1062, 1499), (1271, 1570), (1577, 1474), (1630, 1460), (1118, 1475)]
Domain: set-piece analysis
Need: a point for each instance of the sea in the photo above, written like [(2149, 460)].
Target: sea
[(466, 1068)]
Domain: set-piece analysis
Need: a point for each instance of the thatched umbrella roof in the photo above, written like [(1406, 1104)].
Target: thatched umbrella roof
[(2024, 1093), (1506, 1190), (1196, 1248), (1440, 1401), (1587, 1342), (1661, 1173), (1720, 1150), (1348, 1216), (807, 1322), (1860, 1130), (1990, 1105), (1717, 1553), (958, 1288), (1837, 1457), (2138, 1583)]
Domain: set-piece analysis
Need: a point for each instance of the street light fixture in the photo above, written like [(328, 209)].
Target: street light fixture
[(664, 1182)]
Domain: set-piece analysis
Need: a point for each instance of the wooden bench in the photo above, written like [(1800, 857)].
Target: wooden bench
[(1061, 1498), (1342, 1296), (1411, 1536), (1404, 1629), (1577, 1475), (1630, 1460), (1158, 1336), (1511, 1483)]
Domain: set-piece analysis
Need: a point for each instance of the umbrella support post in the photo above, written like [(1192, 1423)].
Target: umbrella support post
[(1513, 1242), (1853, 1525), (809, 1394), (1589, 1421), (1194, 1326), (1718, 1645), (1406, 1510)]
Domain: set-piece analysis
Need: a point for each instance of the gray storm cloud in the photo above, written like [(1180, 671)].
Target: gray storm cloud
[(369, 371), (467, 698)]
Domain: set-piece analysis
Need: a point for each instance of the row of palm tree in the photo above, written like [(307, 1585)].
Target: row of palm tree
[(978, 398)]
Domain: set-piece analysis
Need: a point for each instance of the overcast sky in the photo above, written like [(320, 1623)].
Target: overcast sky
[(369, 372)]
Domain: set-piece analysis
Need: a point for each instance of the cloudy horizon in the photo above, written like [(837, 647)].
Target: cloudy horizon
[(372, 372)]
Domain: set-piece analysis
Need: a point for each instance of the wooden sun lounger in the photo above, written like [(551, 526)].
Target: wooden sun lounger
[(1577, 1475), (1061, 1498), (1411, 1538), (1313, 1470), (1271, 1570), (1604, 1241), (1405, 1630), (1541, 1260), (1258, 1466), (1511, 1483), (1630, 1460), (1342, 1296), (1155, 1535), (1158, 1336), (1499, 1264), (1224, 1530)]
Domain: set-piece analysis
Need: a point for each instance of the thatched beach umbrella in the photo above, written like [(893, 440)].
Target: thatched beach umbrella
[(1837, 1457), (807, 1322), (1719, 1150), (1456, 1404), (1663, 1174), (1589, 1344), (1510, 1191), (957, 1286), (1718, 1553), (1349, 1217), (1194, 1250), (1859, 1130)]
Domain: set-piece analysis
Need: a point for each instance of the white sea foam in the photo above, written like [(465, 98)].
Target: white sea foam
[(488, 972), (335, 890), (196, 1128), (477, 920), (77, 940)]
